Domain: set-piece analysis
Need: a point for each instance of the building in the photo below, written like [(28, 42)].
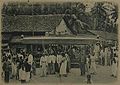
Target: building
[(26, 26), (35, 32)]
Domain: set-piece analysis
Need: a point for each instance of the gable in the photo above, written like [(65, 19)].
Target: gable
[(62, 28)]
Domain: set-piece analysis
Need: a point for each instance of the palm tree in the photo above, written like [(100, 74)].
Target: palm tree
[(114, 17), (98, 13), (114, 13), (112, 10)]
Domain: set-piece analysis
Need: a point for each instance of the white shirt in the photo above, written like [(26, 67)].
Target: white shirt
[(59, 58), (92, 58), (43, 61), (106, 50), (87, 60), (30, 59), (22, 74), (102, 54), (20, 55), (46, 58), (49, 60), (53, 58), (96, 48)]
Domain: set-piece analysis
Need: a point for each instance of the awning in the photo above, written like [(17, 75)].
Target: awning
[(58, 40)]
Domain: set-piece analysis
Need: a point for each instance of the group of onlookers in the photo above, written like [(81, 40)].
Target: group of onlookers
[(55, 64), (19, 66), (107, 56), (22, 66)]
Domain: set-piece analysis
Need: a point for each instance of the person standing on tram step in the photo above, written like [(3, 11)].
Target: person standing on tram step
[(63, 68), (43, 65), (6, 70), (82, 63)]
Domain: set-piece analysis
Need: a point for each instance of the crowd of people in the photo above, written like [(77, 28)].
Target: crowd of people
[(22, 66), (52, 64), (17, 66)]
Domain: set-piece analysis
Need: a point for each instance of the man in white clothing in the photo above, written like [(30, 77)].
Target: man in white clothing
[(30, 59), (68, 62), (93, 64), (53, 63), (43, 65), (49, 60), (59, 60), (97, 50), (63, 68), (106, 55), (114, 66)]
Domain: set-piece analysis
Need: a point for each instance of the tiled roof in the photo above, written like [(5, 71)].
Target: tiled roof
[(105, 35), (28, 23), (6, 37)]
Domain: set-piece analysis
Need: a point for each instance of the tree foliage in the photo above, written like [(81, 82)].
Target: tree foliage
[(101, 17)]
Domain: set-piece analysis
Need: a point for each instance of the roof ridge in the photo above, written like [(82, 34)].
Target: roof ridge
[(36, 23), (38, 15)]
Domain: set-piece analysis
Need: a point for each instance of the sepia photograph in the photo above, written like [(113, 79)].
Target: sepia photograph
[(59, 42)]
